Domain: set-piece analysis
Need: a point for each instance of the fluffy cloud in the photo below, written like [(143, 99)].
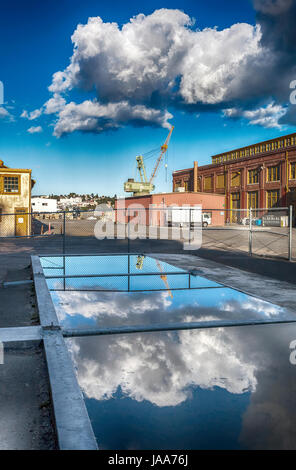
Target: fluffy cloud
[(150, 53), (95, 117), (54, 104), (32, 115), (267, 116), (109, 308), (161, 368), (4, 113), (121, 308), (133, 74), (151, 63), (35, 130)]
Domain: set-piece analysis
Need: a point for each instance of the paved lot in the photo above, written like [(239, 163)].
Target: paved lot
[(266, 241)]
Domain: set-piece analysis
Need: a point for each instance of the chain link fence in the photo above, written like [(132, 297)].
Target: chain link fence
[(261, 232)]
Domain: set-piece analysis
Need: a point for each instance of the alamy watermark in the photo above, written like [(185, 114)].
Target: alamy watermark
[(293, 353), (1, 353), (1, 93), (159, 222), (293, 93)]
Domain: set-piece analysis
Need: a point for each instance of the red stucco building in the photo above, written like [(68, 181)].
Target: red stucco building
[(163, 200), (262, 175)]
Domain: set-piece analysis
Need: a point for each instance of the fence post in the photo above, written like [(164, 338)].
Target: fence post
[(250, 233), (189, 237), (290, 232), (128, 231), (64, 232)]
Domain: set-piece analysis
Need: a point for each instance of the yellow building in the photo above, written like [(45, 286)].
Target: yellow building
[(15, 199)]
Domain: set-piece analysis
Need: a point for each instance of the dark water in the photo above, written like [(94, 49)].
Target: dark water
[(231, 388)]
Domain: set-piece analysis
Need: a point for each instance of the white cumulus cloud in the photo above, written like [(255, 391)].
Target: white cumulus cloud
[(3, 113), (266, 116), (35, 130), (161, 368), (140, 72), (150, 64), (93, 116), (32, 115)]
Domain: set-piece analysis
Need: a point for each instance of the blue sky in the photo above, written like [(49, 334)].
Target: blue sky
[(36, 42)]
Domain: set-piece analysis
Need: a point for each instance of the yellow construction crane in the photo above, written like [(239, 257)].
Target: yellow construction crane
[(139, 188), (164, 278)]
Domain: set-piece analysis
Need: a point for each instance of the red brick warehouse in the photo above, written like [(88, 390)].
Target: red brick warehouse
[(262, 175)]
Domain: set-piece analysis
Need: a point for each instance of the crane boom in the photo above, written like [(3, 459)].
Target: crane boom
[(139, 188), (164, 278), (164, 148)]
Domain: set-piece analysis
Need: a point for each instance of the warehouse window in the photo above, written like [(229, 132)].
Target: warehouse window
[(220, 181), (208, 183), (235, 206), (273, 173), (273, 198), (293, 171), (11, 184), (236, 179), (253, 176), (253, 200)]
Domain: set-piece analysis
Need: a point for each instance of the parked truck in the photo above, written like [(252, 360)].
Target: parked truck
[(183, 216)]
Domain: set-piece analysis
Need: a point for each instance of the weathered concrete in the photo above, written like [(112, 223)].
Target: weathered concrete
[(46, 310)]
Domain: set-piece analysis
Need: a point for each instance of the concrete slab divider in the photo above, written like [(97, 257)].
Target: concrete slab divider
[(20, 333)]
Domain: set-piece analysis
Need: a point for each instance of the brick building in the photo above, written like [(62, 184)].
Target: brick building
[(262, 175)]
